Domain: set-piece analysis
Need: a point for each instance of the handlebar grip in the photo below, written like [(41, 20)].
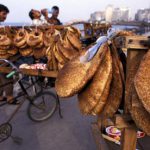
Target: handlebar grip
[(10, 74)]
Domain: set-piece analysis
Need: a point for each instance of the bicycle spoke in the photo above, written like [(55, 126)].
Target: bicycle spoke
[(44, 105), (43, 99)]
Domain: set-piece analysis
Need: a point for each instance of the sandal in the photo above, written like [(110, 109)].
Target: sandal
[(15, 102), (12, 101)]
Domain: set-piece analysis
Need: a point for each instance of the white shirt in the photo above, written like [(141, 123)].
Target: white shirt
[(39, 22)]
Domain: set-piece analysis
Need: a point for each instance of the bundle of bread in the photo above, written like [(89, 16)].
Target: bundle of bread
[(99, 84), (20, 41), (94, 81), (36, 42), (62, 46), (6, 47), (139, 106), (30, 42), (58, 46)]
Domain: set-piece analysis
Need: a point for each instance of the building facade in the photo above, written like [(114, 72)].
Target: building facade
[(97, 16), (120, 14), (143, 15), (110, 15)]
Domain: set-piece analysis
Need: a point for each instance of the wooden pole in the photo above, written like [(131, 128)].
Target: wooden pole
[(135, 52)]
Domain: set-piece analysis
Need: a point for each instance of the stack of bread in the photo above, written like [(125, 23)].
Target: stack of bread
[(99, 84), (93, 81), (139, 106), (59, 46), (63, 47), (6, 48)]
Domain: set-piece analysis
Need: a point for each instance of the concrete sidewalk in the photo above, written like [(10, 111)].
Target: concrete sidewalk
[(73, 132)]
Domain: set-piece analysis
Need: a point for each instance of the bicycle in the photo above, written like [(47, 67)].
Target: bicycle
[(41, 106)]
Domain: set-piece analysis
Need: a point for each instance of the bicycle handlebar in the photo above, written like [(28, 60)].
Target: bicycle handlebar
[(14, 67), (10, 74), (10, 63)]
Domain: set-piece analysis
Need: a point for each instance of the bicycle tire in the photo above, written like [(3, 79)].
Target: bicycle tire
[(35, 105)]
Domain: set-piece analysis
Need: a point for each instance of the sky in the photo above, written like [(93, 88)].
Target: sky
[(69, 9)]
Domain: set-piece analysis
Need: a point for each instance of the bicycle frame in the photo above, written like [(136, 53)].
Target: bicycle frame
[(25, 93), (24, 90), (6, 127)]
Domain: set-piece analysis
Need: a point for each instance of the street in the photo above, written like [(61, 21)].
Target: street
[(73, 132)]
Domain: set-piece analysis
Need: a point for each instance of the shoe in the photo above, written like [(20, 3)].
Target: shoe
[(15, 102), (10, 99)]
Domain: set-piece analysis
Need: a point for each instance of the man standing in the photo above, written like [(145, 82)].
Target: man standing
[(54, 18), (3, 13), (3, 80)]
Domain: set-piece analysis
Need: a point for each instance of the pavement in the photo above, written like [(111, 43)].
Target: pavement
[(73, 132)]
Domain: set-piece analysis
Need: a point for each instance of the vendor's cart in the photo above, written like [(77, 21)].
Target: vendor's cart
[(43, 99), (136, 47)]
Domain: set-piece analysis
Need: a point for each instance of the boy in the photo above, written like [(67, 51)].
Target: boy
[(4, 11), (35, 16)]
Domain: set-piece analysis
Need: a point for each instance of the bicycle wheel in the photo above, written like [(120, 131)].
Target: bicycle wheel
[(42, 107), (5, 131)]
